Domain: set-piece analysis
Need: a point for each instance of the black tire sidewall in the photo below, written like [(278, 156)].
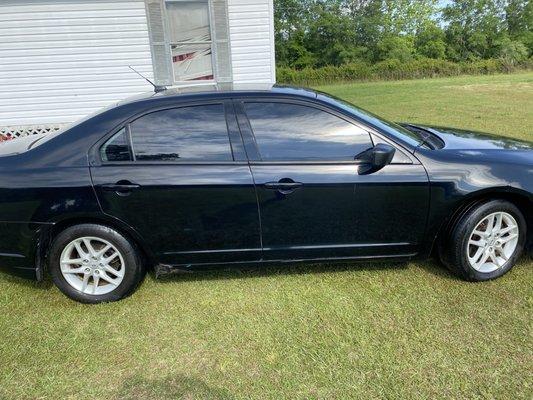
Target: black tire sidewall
[(461, 237), (132, 275)]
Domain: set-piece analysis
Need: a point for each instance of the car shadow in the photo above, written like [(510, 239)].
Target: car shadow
[(431, 266), (177, 386)]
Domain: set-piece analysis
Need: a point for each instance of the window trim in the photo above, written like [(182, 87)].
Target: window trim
[(95, 151)]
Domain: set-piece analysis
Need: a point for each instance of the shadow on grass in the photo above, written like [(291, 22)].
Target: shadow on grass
[(244, 272), (170, 387), (431, 266)]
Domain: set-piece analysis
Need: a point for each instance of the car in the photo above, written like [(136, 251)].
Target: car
[(191, 179)]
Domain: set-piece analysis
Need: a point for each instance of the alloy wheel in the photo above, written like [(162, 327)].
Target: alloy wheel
[(493, 242), (92, 265)]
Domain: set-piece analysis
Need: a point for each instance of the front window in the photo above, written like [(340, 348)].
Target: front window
[(294, 132), (189, 32), (373, 120)]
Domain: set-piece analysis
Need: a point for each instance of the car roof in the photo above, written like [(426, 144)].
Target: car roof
[(205, 91)]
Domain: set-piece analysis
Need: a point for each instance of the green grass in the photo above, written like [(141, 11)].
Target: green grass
[(308, 332), (500, 104)]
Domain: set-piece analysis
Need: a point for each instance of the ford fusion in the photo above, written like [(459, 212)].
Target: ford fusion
[(189, 180)]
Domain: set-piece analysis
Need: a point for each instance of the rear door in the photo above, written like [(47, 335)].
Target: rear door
[(313, 202), (179, 177)]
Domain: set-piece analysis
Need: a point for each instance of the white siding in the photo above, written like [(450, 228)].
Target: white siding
[(251, 25), (63, 59)]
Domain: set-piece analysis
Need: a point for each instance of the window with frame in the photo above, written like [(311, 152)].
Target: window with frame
[(295, 132), (193, 133), (190, 133), (189, 35)]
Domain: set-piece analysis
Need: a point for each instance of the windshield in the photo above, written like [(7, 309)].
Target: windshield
[(390, 127)]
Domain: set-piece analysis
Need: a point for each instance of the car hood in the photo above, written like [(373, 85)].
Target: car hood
[(460, 139)]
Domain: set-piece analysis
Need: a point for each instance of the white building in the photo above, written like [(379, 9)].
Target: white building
[(63, 59)]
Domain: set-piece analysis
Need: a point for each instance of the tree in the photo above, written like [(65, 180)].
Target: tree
[(314, 33), (406, 17), (474, 28), (430, 41), (399, 48), (519, 18), (290, 19), (512, 51), (331, 35)]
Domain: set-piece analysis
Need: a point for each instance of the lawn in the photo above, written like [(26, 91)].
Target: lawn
[(500, 104), (308, 332)]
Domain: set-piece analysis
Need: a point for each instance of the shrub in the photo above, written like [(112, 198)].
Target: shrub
[(395, 69)]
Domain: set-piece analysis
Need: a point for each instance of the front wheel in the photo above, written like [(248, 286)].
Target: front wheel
[(486, 242), (93, 263)]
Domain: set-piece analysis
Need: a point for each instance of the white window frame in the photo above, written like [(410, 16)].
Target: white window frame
[(160, 46), (211, 42)]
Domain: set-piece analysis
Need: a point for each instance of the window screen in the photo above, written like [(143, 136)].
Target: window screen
[(196, 133), (295, 132), (116, 148)]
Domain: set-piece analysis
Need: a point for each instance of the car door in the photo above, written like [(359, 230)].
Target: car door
[(313, 201), (179, 177)]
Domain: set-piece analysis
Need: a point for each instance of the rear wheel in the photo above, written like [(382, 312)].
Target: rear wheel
[(93, 263), (486, 242)]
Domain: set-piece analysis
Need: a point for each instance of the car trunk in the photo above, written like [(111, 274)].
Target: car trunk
[(18, 145)]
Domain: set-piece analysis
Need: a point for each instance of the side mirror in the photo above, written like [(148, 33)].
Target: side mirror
[(375, 158)]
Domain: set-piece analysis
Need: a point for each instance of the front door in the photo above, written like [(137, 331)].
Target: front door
[(175, 177), (313, 203)]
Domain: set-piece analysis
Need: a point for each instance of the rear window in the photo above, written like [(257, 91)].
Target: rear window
[(197, 133), (117, 148)]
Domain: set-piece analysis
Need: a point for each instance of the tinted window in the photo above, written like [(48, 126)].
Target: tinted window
[(116, 148), (372, 119), (196, 133), (286, 131)]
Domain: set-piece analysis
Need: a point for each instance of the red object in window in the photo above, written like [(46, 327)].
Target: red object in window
[(183, 57), (204, 78), (3, 138)]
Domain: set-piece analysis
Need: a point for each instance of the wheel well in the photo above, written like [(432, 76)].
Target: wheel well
[(46, 241), (522, 202)]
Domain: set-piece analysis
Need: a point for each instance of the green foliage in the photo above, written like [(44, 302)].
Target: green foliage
[(320, 33), (400, 48), (512, 51), (430, 41), (392, 69)]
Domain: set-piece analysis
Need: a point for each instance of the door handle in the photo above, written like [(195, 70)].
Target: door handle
[(121, 187), (284, 186)]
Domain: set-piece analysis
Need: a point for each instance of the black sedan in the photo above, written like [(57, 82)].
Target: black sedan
[(181, 181)]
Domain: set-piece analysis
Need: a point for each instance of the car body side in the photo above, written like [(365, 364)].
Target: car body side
[(49, 187)]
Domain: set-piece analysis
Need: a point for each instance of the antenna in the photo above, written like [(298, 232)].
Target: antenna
[(157, 88)]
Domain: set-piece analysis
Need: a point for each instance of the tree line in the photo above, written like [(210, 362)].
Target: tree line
[(318, 33)]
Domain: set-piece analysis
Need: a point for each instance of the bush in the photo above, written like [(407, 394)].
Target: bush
[(395, 69)]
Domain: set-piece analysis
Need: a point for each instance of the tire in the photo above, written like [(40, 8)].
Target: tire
[(460, 251), (117, 271)]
